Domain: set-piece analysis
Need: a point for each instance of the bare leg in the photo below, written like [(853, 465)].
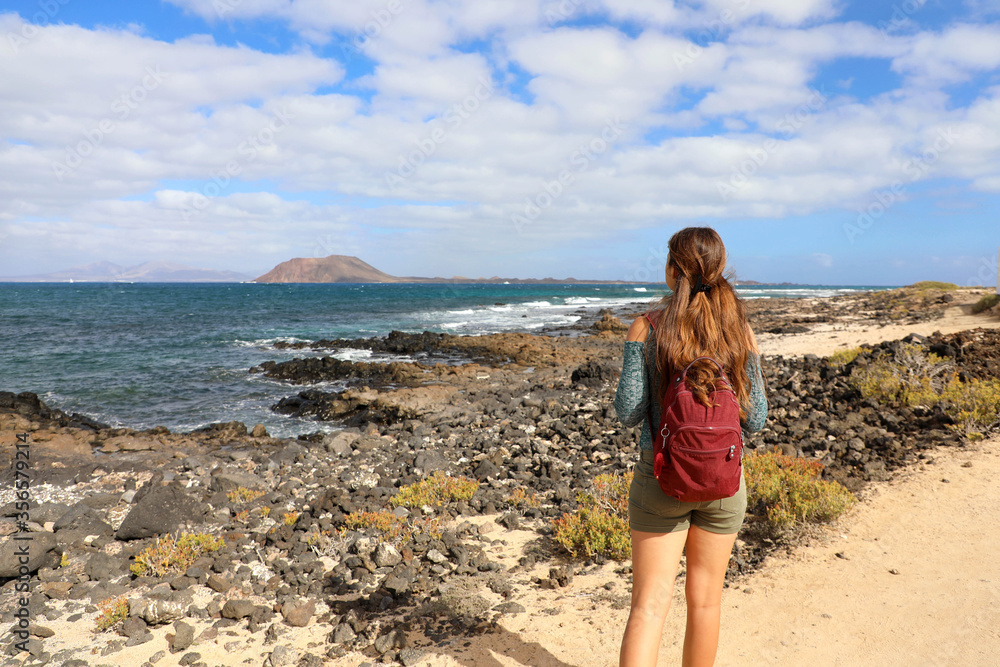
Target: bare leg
[(707, 559), (655, 558)]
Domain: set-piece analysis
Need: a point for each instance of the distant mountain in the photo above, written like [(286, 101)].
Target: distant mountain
[(332, 269), (348, 269), (148, 272)]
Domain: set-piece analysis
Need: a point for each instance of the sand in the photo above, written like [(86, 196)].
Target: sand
[(825, 338), (908, 577)]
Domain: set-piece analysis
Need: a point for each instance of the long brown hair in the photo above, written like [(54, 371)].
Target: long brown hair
[(703, 324)]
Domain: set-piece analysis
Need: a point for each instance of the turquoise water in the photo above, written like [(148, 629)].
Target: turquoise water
[(142, 355)]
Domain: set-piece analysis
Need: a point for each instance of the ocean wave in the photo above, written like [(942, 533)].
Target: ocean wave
[(351, 354), (639, 289), (268, 342)]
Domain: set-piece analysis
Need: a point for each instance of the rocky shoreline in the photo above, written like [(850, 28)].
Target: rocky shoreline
[(528, 417)]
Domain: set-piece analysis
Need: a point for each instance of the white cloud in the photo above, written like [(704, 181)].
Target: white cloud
[(735, 129), (951, 56), (783, 12)]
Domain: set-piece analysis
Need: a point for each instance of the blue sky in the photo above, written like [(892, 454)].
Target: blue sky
[(828, 141)]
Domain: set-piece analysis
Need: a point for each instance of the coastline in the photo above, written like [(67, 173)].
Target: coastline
[(458, 412)]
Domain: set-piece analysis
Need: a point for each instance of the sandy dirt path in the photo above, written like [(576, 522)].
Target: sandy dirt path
[(916, 583), (824, 338)]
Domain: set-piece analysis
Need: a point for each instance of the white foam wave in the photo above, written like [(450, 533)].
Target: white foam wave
[(351, 354), (795, 292), (268, 342), (638, 289)]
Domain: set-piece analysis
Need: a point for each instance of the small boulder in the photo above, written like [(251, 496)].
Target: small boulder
[(101, 566), (156, 612), (237, 609), (387, 555), (31, 554), (299, 614), (183, 636), (159, 512)]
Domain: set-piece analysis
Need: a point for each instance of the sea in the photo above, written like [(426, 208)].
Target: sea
[(140, 355)]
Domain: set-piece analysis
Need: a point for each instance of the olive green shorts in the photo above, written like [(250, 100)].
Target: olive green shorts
[(650, 510)]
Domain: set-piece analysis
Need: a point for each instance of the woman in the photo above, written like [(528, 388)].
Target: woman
[(703, 317)]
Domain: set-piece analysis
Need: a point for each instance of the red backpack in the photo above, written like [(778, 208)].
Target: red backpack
[(699, 450)]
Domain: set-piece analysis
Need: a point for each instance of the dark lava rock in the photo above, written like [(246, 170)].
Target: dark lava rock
[(183, 636), (298, 615), (40, 550), (595, 374), (237, 609), (82, 520), (101, 566), (486, 470), (159, 512)]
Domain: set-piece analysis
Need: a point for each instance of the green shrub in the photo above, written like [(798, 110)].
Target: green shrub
[(383, 523), (985, 303), (387, 527), (843, 357), (790, 491), (241, 495), (917, 378), (933, 284), (520, 499), (113, 612), (437, 489), (169, 555), (600, 525)]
